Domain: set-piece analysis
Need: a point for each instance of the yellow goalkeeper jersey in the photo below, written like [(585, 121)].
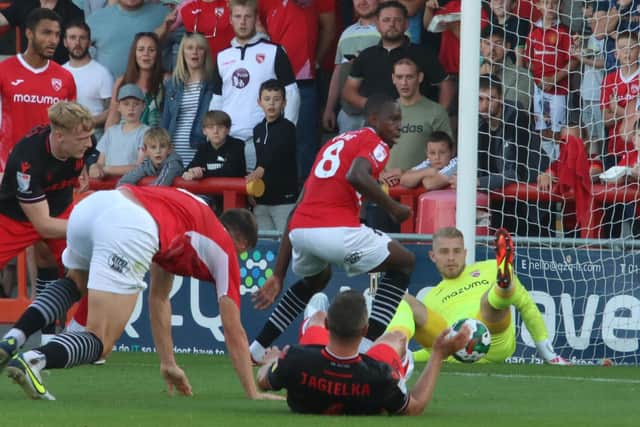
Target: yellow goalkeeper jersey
[(460, 298)]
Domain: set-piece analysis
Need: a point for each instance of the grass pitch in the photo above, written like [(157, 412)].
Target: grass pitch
[(128, 391)]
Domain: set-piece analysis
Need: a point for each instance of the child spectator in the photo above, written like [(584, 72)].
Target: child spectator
[(547, 54), (160, 160), (121, 145), (591, 55), (223, 156), (275, 142), (435, 172)]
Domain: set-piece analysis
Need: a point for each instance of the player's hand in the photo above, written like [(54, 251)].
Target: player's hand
[(446, 345), (399, 212), (559, 361), (268, 293), (268, 396), (175, 378), (83, 181)]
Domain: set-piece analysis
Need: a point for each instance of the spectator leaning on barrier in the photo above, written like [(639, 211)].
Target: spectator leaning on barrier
[(93, 81), (440, 166), (144, 69), (240, 70), (16, 16), (187, 96)]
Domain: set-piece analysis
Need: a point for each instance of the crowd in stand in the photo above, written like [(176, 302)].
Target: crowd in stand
[(239, 86)]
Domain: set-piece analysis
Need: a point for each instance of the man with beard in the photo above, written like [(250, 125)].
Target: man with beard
[(93, 80), (372, 69)]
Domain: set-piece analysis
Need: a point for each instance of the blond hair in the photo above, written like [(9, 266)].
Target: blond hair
[(69, 116), (157, 134), (253, 4), (447, 233), (181, 73)]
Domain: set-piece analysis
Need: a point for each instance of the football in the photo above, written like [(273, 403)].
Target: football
[(479, 343)]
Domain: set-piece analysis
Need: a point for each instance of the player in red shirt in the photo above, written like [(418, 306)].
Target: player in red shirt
[(114, 237), (32, 82), (325, 228), (619, 95), (548, 57), (212, 19)]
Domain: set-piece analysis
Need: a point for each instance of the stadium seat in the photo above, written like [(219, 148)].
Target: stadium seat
[(437, 209)]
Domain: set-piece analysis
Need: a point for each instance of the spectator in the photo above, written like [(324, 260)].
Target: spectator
[(16, 16), (592, 59), (121, 146), (114, 28), (440, 165), (547, 56), (516, 81), (372, 69), (305, 30), (91, 6), (241, 69), (415, 12), (420, 116), (187, 96), (275, 142), (93, 81), (507, 153), (212, 19), (516, 29), (620, 91), (31, 76), (160, 160), (144, 68), (354, 39)]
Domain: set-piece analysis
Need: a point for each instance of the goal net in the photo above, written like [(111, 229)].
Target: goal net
[(557, 162)]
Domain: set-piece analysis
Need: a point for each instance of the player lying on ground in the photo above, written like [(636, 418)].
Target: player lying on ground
[(485, 291), (325, 228), (326, 374), (113, 239)]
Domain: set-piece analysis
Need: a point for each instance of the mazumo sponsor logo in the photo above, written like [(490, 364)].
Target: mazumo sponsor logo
[(35, 99), (463, 289)]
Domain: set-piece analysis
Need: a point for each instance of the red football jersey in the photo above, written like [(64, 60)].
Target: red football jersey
[(25, 95), (211, 19), (193, 242), (630, 159), (547, 50), (329, 199), (623, 90)]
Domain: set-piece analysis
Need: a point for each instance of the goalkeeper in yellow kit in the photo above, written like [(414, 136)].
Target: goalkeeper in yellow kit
[(485, 291)]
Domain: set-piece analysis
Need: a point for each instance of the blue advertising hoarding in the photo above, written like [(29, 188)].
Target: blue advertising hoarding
[(589, 298)]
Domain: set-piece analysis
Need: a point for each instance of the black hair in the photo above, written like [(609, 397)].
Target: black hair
[(393, 4), (347, 315), (377, 103), (241, 224), (491, 82), (273, 85), (40, 14), (440, 136)]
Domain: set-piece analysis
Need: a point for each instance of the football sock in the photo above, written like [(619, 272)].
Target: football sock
[(391, 289), (426, 334), (46, 276), (69, 349), (365, 345), (501, 298), (51, 304), (403, 320), (16, 334), (292, 303)]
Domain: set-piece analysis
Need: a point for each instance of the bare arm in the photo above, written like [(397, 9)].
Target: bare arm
[(326, 34), (447, 93), (435, 181), (351, 95), (160, 318), (412, 178), (100, 119), (329, 115), (237, 345), (113, 116), (3, 21), (40, 217)]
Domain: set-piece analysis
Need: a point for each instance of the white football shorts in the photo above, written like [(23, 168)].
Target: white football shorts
[(357, 249), (114, 239)]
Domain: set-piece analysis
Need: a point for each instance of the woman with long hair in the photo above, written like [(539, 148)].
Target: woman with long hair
[(144, 68), (187, 95)]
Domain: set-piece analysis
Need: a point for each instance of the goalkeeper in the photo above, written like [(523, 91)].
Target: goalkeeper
[(473, 292)]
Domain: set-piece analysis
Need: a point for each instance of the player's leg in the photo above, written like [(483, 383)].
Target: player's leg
[(311, 248), (48, 271), (496, 302), (397, 266), (313, 329), (391, 348)]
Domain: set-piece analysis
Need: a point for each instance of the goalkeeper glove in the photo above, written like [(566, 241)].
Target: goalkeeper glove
[(549, 355)]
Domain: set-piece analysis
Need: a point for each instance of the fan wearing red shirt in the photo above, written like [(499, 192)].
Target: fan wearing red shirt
[(113, 238), (547, 54), (212, 19), (325, 228), (32, 82), (619, 95)]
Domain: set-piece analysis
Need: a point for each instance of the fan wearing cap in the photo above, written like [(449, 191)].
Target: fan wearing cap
[(121, 147)]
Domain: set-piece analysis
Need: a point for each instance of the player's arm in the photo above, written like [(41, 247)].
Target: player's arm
[(443, 347), (40, 217), (262, 377), (359, 176), (160, 318), (3, 20)]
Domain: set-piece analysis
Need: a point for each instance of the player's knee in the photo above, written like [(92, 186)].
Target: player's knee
[(395, 339), (408, 263), (317, 319)]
